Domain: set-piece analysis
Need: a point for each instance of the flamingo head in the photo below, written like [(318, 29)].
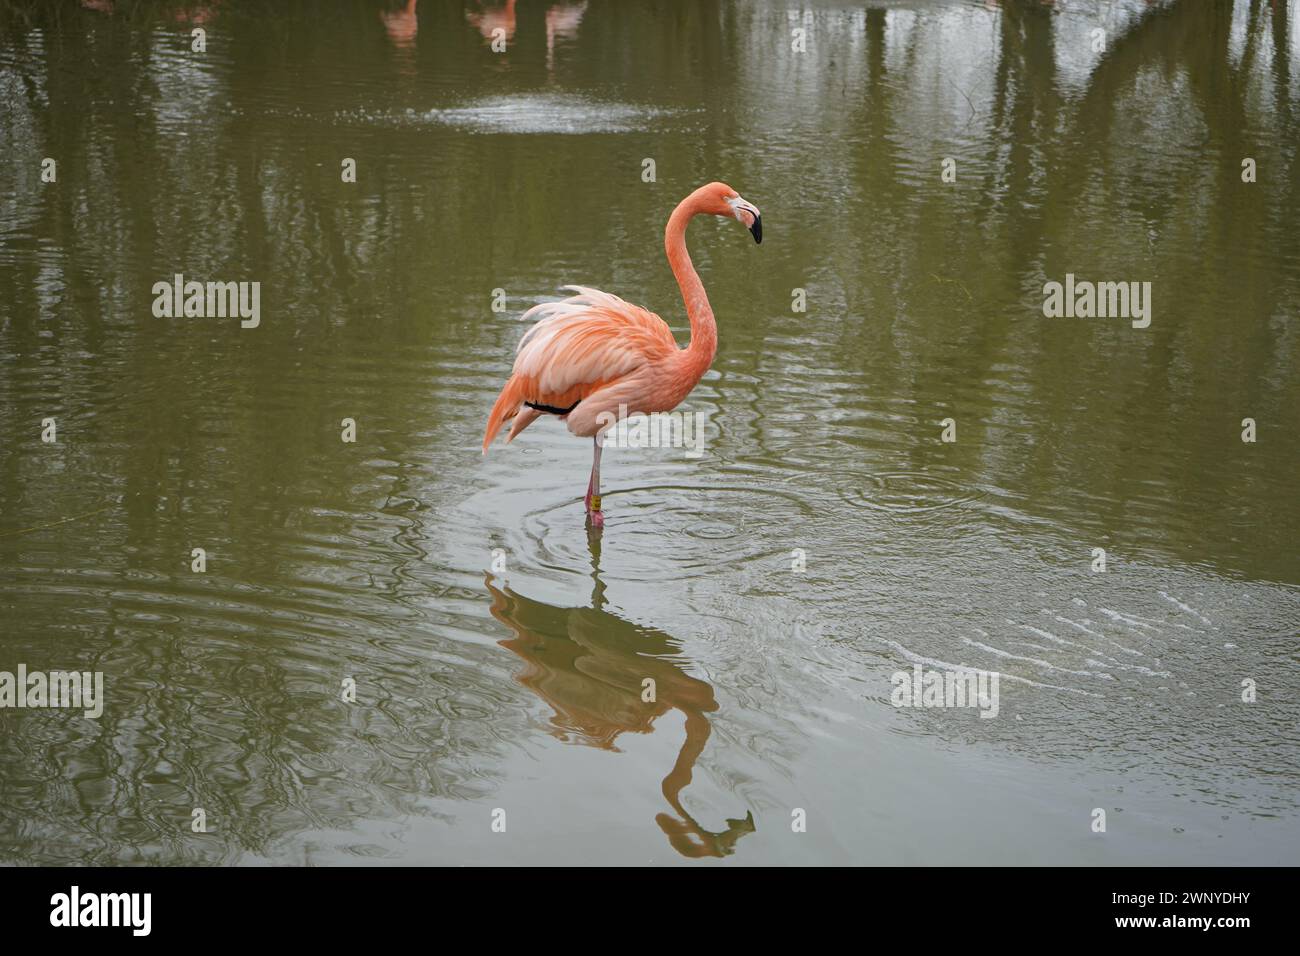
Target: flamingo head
[(719, 199)]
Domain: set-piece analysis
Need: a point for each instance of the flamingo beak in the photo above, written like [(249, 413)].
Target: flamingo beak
[(738, 207)]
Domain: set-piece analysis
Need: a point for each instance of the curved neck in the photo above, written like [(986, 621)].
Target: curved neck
[(697, 356)]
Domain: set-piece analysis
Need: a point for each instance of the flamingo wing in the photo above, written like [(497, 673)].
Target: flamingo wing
[(579, 345)]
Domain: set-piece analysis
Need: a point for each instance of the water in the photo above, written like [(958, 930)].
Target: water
[(519, 687)]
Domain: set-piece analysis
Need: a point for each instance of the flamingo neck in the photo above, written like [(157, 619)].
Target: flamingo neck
[(698, 356)]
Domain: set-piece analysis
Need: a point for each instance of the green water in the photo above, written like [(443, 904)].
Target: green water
[(498, 650)]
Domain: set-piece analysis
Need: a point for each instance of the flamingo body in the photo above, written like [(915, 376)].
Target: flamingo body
[(591, 351)]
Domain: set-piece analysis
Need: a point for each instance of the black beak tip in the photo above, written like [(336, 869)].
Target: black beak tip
[(757, 229)]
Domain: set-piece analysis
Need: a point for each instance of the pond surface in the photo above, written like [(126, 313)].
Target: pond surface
[(826, 539)]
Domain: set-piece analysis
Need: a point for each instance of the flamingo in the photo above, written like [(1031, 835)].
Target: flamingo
[(592, 358)]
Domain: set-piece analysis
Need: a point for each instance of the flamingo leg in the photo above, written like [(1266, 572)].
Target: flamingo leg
[(592, 501)]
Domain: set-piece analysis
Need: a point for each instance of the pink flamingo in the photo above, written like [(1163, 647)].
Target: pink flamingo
[(593, 358)]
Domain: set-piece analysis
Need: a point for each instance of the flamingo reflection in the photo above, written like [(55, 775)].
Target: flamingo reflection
[(401, 25), (562, 23), (589, 666), (493, 21), (488, 19)]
